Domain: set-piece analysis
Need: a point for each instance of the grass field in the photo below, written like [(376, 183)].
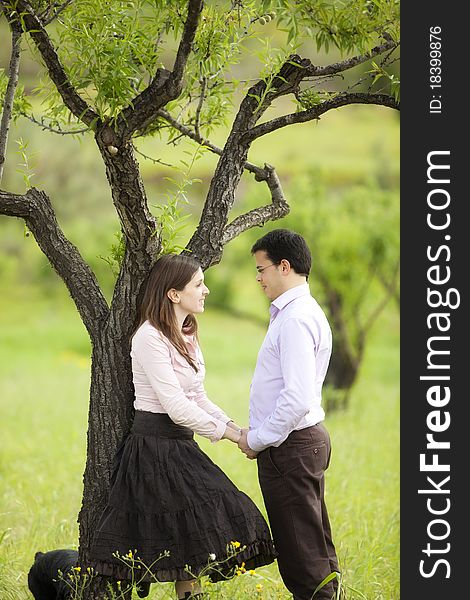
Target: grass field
[(44, 382), (44, 350)]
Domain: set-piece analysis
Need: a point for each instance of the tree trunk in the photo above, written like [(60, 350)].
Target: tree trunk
[(344, 366), (110, 417), (13, 73), (112, 392), (345, 360), (219, 201)]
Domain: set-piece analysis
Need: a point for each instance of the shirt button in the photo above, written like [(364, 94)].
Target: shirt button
[(316, 450)]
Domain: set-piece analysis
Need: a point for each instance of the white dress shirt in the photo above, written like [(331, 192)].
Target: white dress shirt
[(286, 389)]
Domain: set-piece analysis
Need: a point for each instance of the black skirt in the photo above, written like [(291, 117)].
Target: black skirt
[(167, 496)]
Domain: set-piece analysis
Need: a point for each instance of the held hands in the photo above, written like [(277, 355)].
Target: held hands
[(238, 435), (243, 445)]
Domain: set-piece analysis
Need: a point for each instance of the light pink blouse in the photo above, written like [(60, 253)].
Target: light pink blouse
[(165, 382)]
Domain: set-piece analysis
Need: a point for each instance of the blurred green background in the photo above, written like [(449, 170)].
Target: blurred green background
[(45, 353)]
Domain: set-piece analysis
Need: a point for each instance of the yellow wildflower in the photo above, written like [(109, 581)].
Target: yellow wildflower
[(252, 572), (235, 544), (78, 569)]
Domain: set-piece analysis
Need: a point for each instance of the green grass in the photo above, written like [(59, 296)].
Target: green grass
[(44, 350), (44, 382)]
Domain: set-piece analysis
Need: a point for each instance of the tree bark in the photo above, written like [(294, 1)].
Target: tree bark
[(110, 416), (207, 242), (13, 73), (129, 197), (166, 85), (72, 100), (37, 211), (112, 392), (346, 358)]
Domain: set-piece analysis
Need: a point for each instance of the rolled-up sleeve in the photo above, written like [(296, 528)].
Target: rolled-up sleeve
[(153, 355), (296, 349)]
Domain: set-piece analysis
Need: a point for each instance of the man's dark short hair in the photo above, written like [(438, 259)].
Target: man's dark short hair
[(284, 244)]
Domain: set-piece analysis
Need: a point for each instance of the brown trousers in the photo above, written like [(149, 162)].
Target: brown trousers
[(293, 486)]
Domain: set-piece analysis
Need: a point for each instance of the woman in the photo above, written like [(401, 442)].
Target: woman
[(166, 494)]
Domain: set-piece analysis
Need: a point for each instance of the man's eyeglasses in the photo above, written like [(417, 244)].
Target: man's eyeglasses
[(262, 269)]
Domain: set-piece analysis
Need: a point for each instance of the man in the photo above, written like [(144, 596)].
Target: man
[(286, 432)]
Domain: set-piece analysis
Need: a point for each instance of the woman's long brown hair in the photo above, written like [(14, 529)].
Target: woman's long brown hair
[(171, 271)]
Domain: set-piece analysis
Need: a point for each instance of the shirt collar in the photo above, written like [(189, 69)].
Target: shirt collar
[(284, 299)]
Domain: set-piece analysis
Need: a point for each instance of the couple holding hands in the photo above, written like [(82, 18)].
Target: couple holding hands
[(168, 501)]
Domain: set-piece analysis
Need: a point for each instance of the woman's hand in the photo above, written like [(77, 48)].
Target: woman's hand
[(243, 445), (233, 425), (232, 433)]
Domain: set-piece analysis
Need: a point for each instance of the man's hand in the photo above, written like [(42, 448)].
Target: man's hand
[(243, 445)]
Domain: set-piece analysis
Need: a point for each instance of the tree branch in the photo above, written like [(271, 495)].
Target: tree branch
[(261, 174), (14, 205), (392, 285), (130, 200), (338, 67), (155, 161), (206, 242), (259, 216), (53, 11), (390, 290), (316, 111), (184, 49), (31, 24), (363, 292), (199, 106), (166, 85), (57, 130), (36, 209), (13, 73)]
